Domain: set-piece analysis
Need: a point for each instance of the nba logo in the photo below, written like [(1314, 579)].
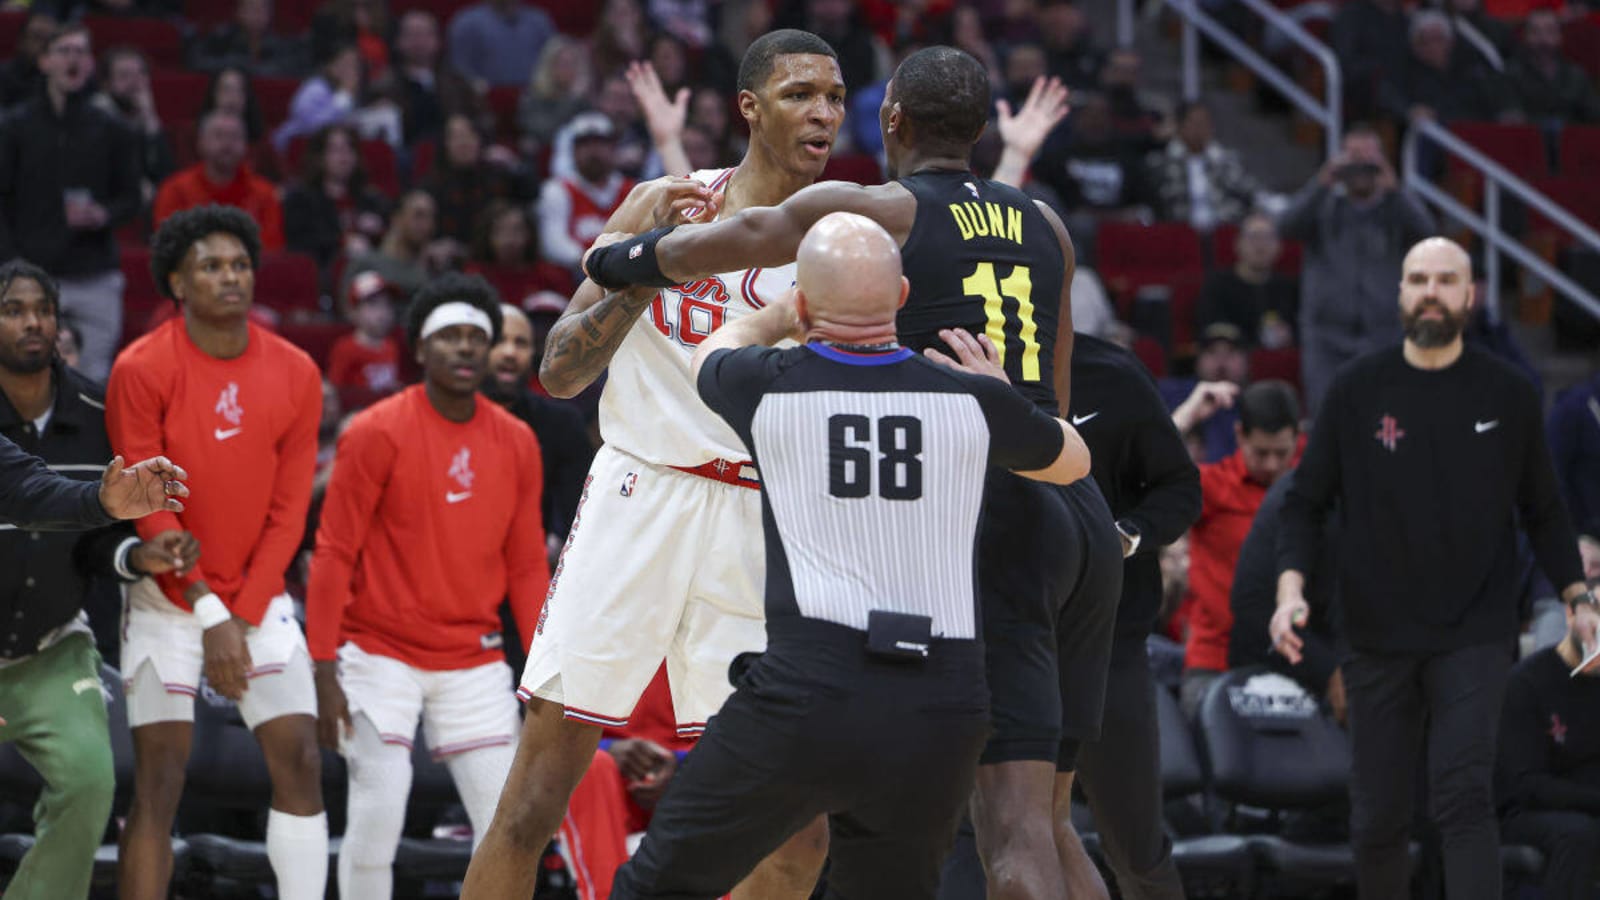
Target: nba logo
[(627, 484)]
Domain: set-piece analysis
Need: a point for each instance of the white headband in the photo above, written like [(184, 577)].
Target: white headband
[(455, 313)]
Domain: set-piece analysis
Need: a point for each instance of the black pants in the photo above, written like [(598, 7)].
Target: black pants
[(888, 750), (1570, 841), (1120, 775), (1445, 706)]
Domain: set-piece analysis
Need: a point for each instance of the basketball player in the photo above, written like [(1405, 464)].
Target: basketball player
[(431, 519), (241, 406), (664, 559), (982, 257)]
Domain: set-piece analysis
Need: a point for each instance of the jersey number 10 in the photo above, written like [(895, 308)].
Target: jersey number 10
[(851, 442), (1019, 287)]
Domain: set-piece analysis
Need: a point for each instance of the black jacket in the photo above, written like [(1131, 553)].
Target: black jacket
[(41, 156), (44, 576), (565, 449), (1140, 463)]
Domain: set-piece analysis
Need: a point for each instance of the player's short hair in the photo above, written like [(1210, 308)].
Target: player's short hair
[(453, 287), (184, 229), (17, 268), (758, 61), (944, 92), (1269, 407)]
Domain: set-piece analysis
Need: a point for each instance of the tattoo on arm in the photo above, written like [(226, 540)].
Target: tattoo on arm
[(581, 343)]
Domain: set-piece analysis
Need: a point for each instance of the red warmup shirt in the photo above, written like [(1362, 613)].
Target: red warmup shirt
[(246, 431), (248, 191), (1229, 500), (427, 525)]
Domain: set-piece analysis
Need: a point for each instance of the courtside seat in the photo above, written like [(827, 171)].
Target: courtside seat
[(1522, 865), (1212, 865)]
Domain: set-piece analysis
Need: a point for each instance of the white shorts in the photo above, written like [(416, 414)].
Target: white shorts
[(460, 709), (163, 655), (659, 564)]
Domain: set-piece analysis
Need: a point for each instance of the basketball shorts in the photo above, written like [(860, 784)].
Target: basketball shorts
[(163, 656), (659, 564), (460, 709), (1050, 579)]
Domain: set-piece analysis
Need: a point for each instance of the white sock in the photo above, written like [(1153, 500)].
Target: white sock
[(380, 783), (479, 775), (297, 846)]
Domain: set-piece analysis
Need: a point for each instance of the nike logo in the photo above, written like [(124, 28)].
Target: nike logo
[(453, 497), (224, 435), (1079, 420), (1490, 425)]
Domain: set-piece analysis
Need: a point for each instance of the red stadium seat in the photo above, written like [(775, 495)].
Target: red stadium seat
[(516, 283), (315, 338), (139, 295), (11, 23), (377, 157), (1222, 255), (857, 167), (288, 281), (179, 95), (1520, 148), (159, 39), (443, 9), (576, 19), (421, 160), (205, 15), (1580, 42), (1152, 354), (503, 102), (1283, 365), (1579, 195), (273, 95), (1130, 255), (1580, 149)]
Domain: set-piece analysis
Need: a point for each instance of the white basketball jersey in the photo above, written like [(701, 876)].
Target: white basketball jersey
[(650, 407)]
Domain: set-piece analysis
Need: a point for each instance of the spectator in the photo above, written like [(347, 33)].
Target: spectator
[(127, 96), (1434, 84), (222, 176), (1369, 39), (465, 178), (573, 211), (1221, 359), (670, 60), (1484, 41), (1197, 180), (249, 43), (1254, 597), (1356, 223), (333, 209), (863, 58), (1231, 492), (499, 41), (1573, 430), (1548, 774), (1252, 296), (635, 155), (426, 89), (503, 252), (1119, 78), (230, 91), (403, 257), (966, 33), (1025, 65), (1070, 54), (621, 38), (1547, 88), (324, 99), (1096, 173), (558, 91), (69, 177), (21, 77), (687, 20), (364, 365), (364, 23)]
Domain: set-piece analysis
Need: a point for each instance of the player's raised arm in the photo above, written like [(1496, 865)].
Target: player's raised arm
[(758, 237)]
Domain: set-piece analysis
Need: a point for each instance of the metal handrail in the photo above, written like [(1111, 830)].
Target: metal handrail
[(1327, 112), (1496, 178)]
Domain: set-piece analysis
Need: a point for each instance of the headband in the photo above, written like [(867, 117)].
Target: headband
[(455, 313)]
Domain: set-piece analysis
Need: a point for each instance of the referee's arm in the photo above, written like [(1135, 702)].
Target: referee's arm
[(763, 328)]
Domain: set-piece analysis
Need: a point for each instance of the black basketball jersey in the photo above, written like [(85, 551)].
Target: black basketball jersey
[(980, 256)]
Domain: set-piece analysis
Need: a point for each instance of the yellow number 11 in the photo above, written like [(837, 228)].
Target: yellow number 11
[(1019, 287)]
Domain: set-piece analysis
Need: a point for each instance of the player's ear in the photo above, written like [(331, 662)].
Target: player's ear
[(801, 310), (905, 291), (749, 106)]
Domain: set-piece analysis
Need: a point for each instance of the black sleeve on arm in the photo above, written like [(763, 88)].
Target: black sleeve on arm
[(1022, 437), (96, 552), (32, 496), (1544, 515), (1170, 500), (732, 383), (1524, 757), (1316, 484), (629, 263)]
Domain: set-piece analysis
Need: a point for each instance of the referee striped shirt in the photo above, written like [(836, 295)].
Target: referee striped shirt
[(872, 468)]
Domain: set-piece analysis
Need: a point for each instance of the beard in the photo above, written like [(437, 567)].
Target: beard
[(27, 363), (1431, 333)]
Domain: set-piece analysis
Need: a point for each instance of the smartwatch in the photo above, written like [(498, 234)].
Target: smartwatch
[(1586, 598), (1130, 532)]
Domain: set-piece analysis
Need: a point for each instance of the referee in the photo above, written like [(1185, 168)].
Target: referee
[(869, 704), (1435, 454)]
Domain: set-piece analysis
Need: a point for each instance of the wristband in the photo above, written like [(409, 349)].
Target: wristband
[(210, 611), (1586, 598), (630, 262)]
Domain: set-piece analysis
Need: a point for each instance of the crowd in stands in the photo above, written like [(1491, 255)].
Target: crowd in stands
[(380, 143)]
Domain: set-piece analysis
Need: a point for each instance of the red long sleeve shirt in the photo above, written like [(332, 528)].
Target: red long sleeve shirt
[(427, 525), (246, 431)]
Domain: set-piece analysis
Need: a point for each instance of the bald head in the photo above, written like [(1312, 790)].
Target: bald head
[(848, 273), (1438, 253)]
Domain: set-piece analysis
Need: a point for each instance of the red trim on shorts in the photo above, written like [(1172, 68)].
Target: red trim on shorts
[(561, 562), (572, 712), (727, 471), (396, 739), (268, 669), (177, 688), (464, 746)]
